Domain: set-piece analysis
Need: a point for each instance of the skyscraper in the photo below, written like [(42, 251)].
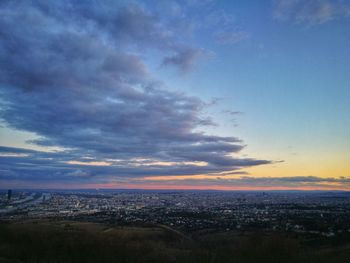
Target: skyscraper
[(9, 194)]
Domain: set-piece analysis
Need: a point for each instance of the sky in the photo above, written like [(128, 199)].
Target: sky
[(227, 95)]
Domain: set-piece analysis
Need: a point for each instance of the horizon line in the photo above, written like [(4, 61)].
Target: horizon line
[(179, 189)]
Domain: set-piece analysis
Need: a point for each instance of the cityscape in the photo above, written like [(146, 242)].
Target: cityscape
[(318, 213)]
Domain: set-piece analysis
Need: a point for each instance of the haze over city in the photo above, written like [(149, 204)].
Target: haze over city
[(224, 95)]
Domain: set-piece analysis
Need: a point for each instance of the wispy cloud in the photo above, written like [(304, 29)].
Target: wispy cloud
[(246, 182), (231, 37), (310, 12)]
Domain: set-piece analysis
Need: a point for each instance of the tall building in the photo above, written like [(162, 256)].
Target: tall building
[(9, 194)]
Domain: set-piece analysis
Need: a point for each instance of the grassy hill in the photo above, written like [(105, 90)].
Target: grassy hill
[(47, 241)]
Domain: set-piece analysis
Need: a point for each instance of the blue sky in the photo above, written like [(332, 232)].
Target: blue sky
[(175, 94)]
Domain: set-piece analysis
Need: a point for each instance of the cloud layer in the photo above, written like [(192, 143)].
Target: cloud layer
[(251, 182), (76, 75)]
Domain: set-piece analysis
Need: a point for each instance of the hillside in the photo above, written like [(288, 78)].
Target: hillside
[(63, 241)]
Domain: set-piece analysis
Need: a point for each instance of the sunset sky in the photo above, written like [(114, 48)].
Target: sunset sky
[(231, 95)]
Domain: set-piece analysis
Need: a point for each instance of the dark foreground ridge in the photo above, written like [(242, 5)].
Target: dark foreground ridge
[(174, 226), (67, 241)]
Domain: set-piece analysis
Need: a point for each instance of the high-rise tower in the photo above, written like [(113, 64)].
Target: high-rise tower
[(9, 194)]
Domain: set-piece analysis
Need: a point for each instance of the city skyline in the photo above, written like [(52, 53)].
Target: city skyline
[(225, 95)]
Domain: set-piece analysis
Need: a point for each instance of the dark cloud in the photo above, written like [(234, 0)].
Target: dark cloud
[(185, 59), (17, 163), (73, 73)]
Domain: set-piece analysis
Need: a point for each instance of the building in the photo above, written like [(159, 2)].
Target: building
[(9, 194)]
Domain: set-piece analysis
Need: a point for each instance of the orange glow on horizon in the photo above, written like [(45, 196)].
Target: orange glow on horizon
[(21, 185), (213, 187)]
